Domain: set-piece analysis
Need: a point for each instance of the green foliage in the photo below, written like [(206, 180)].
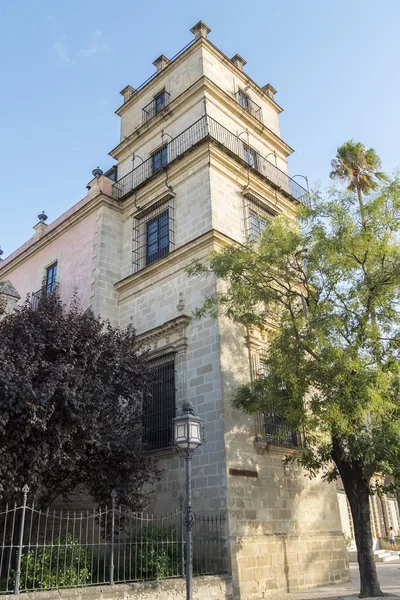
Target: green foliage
[(326, 288), (71, 406), (64, 564), (348, 540), (358, 167), (156, 553)]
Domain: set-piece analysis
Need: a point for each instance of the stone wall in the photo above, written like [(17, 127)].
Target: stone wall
[(72, 249), (204, 588)]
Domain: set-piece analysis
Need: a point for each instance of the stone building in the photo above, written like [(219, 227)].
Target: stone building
[(200, 164)]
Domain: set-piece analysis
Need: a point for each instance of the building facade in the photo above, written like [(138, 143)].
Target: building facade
[(200, 165)]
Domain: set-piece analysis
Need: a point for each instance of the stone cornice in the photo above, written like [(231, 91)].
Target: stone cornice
[(234, 107), (243, 76), (174, 326), (217, 53), (175, 104), (256, 183), (155, 82), (133, 283), (206, 84), (53, 232)]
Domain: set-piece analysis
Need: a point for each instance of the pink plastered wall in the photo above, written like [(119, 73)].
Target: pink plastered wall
[(73, 251)]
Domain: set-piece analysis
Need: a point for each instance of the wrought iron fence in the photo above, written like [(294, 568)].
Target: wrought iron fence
[(45, 290), (55, 549), (208, 128)]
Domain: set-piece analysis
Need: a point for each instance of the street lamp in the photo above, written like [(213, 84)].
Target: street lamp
[(188, 436)]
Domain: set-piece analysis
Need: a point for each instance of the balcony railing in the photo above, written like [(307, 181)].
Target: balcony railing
[(272, 429), (247, 103), (45, 290), (156, 106), (206, 128)]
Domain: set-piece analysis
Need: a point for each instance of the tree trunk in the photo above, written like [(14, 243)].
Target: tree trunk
[(362, 208), (357, 491)]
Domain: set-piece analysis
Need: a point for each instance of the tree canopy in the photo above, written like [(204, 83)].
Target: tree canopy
[(72, 391), (326, 288)]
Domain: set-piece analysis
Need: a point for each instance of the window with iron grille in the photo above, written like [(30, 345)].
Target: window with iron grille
[(51, 279), (250, 156), (276, 428), (161, 408), (153, 234), (257, 216), (157, 237), (159, 159)]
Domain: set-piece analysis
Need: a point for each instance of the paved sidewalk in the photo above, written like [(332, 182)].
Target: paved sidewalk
[(388, 574)]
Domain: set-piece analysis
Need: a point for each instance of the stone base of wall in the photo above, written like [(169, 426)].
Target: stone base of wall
[(204, 588), (287, 563)]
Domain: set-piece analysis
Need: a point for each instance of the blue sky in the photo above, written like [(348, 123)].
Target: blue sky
[(334, 63)]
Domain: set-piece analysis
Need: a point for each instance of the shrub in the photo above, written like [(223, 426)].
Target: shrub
[(156, 553), (64, 564)]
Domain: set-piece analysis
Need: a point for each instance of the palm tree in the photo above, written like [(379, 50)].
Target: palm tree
[(360, 168)]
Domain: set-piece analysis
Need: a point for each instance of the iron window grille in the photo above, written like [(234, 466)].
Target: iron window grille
[(159, 159), (157, 243), (250, 156), (208, 129), (256, 216), (158, 103), (153, 235), (247, 103), (270, 426), (161, 408)]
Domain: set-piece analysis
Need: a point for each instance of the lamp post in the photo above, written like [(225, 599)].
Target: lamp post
[(187, 438)]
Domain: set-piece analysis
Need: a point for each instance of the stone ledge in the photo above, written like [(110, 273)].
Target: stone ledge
[(215, 587)]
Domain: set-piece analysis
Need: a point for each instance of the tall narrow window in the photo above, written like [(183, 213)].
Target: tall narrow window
[(250, 156), (159, 102), (257, 215), (161, 408), (160, 158), (257, 224), (51, 279), (243, 99), (157, 237), (276, 428)]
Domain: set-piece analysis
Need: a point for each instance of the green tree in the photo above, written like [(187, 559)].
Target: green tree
[(359, 168), (326, 287), (72, 392)]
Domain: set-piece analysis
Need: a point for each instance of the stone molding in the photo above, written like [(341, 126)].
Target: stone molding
[(219, 55), (56, 229), (130, 285), (203, 84), (7, 289), (172, 334)]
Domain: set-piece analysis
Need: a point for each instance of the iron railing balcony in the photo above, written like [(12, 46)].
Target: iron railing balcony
[(247, 103), (155, 106), (45, 290), (271, 429), (207, 128)]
